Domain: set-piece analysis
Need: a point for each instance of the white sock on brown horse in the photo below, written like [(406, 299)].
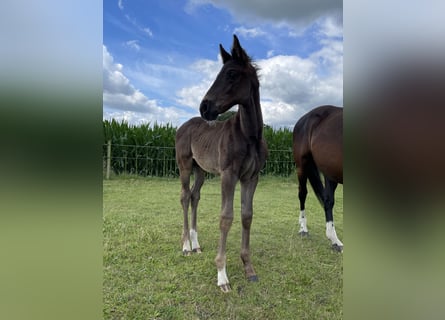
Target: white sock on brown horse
[(303, 223), (332, 235)]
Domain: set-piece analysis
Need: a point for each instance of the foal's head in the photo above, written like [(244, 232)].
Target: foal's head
[(235, 83)]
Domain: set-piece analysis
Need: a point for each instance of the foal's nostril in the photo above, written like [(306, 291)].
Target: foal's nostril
[(208, 110), (204, 107)]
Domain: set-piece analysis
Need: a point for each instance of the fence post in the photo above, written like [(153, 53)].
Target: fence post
[(108, 159), (136, 159)]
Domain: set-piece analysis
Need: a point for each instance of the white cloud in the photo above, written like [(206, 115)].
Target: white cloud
[(191, 5), (249, 32), (174, 117), (295, 16), (331, 26), (148, 32), (287, 77), (281, 114), (120, 4), (123, 101), (297, 13), (289, 85), (133, 44), (206, 71), (145, 30)]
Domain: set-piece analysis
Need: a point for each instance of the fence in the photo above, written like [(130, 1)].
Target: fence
[(160, 161)]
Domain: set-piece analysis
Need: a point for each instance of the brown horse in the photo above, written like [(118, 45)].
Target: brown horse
[(235, 149), (318, 147)]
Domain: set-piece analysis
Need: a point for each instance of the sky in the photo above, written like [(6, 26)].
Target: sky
[(161, 56)]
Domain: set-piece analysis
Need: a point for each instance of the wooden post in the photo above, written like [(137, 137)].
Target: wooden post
[(108, 159)]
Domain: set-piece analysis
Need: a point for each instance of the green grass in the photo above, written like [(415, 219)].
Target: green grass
[(147, 277)]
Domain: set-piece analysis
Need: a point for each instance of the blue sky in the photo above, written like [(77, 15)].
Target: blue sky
[(160, 57)]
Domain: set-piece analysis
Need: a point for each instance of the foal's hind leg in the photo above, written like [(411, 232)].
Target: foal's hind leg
[(247, 191), (185, 202), (302, 193), (328, 205), (195, 196)]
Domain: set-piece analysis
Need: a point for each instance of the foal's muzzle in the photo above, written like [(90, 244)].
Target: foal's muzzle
[(208, 110)]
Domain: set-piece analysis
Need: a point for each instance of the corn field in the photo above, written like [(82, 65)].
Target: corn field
[(149, 150)]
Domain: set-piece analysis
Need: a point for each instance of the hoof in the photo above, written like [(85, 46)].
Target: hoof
[(225, 288), (186, 253), (197, 250), (303, 233), (253, 278), (337, 248)]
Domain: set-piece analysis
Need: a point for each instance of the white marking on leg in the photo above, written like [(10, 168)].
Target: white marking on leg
[(331, 234), (303, 222), (186, 246), (222, 276), (194, 239)]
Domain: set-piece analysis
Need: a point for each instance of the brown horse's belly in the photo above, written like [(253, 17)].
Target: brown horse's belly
[(330, 164), (335, 173), (328, 156)]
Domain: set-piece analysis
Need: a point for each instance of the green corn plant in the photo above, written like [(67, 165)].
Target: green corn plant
[(148, 149)]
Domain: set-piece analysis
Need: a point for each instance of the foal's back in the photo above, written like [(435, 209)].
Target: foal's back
[(201, 140), (217, 145)]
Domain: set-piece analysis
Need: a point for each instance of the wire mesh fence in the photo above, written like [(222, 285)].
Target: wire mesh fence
[(160, 161)]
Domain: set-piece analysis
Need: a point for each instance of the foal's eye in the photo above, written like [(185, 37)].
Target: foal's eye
[(232, 75)]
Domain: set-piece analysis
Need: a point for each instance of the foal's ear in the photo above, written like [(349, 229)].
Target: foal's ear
[(238, 53), (224, 54)]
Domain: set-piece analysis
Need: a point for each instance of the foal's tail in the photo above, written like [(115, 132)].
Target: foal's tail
[(313, 175)]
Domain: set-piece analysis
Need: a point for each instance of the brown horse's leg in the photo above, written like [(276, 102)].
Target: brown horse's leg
[(328, 206), (185, 202), (302, 193), (247, 191), (228, 183), (195, 196)]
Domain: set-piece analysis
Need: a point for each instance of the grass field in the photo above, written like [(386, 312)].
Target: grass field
[(147, 277)]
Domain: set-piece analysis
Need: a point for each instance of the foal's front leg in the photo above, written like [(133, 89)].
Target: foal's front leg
[(195, 196), (228, 183), (185, 202)]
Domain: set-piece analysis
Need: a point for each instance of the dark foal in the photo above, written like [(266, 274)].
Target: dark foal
[(234, 149), (318, 147)]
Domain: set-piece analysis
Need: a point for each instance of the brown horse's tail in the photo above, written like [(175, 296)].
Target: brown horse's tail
[(313, 175)]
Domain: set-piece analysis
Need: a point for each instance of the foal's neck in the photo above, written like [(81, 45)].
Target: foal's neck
[(251, 117)]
